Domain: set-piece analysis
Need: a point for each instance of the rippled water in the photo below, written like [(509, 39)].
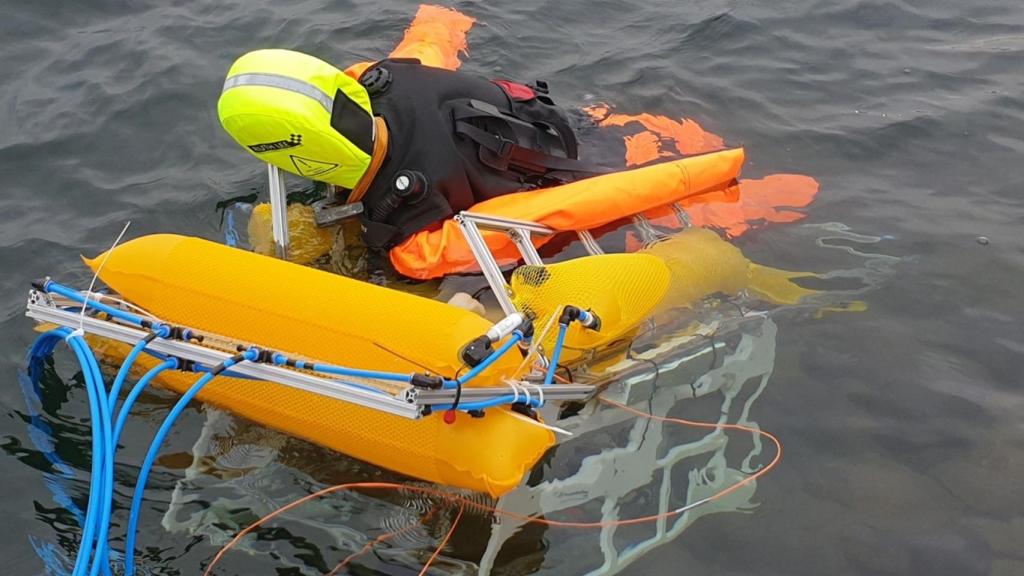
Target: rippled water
[(901, 424)]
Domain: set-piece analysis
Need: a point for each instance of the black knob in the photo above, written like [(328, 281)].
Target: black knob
[(409, 185), (376, 81)]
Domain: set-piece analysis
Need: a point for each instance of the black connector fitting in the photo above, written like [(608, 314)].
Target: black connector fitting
[(572, 314), (476, 351), (476, 413), (237, 358), (526, 329), (525, 409), (263, 355), (40, 284), (429, 381)]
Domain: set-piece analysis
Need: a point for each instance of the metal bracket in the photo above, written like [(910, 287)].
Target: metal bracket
[(278, 210), (408, 402), (329, 211), (520, 232)]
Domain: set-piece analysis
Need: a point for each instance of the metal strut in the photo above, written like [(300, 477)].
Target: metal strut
[(278, 210), (521, 233), (409, 402)]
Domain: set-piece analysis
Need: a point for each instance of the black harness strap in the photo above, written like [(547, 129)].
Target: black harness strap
[(511, 153), (508, 152)]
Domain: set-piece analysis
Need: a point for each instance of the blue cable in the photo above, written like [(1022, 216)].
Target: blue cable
[(140, 386), (154, 449), (516, 337), (122, 374), (352, 372), (93, 553), (85, 549), (107, 485), (556, 354), (102, 467), (490, 403), (510, 398), (72, 294)]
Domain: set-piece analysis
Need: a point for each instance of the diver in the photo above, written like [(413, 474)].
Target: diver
[(413, 143)]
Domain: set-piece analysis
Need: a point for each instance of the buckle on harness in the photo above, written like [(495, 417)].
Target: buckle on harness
[(505, 147)]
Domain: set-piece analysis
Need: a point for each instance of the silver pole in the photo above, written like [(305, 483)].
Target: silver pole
[(278, 210), (488, 265), (521, 236), (593, 248)]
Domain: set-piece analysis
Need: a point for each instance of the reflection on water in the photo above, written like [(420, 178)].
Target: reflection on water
[(710, 361)]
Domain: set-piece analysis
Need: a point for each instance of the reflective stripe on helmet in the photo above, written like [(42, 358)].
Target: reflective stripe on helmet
[(283, 83)]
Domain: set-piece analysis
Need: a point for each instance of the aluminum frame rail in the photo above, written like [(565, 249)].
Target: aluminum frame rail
[(278, 191), (520, 231), (408, 403)]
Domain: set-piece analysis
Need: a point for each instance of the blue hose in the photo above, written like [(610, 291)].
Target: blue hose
[(490, 403), (154, 449), (75, 295), (93, 554), (556, 354), (107, 486), (140, 386), (353, 372), (122, 374), (97, 516), (510, 398), (516, 337)]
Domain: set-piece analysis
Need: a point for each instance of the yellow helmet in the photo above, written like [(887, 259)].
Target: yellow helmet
[(299, 113)]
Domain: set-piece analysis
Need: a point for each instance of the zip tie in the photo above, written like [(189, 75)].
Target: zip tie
[(515, 389), (554, 429), (96, 274), (76, 332)]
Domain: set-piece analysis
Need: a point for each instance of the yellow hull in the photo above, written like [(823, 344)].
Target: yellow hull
[(291, 308)]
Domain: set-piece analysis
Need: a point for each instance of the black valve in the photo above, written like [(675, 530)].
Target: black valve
[(476, 351), (376, 81), (407, 187), (428, 381)]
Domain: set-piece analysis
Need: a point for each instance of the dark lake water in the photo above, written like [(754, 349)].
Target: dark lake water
[(902, 427)]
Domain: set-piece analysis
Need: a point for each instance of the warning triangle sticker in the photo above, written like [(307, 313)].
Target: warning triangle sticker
[(310, 167)]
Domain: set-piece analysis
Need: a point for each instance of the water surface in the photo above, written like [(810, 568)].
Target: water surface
[(901, 424)]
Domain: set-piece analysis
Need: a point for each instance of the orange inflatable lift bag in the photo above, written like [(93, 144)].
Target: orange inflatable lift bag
[(283, 306), (580, 205)]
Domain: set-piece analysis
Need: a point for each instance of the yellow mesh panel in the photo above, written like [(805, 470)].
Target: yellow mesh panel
[(622, 289)]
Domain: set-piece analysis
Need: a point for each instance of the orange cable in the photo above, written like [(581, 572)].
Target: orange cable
[(382, 538), (463, 501), (444, 542)]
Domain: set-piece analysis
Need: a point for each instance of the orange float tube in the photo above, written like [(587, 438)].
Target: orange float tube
[(581, 205)]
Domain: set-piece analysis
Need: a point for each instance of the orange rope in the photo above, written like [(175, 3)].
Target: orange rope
[(444, 542), (464, 502), (383, 538)]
